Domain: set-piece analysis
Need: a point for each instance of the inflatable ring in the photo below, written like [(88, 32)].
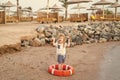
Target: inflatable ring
[(66, 70)]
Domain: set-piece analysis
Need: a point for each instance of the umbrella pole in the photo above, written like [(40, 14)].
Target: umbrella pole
[(47, 9), (79, 12), (115, 13), (18, 16), (92, 11), (103, 12), (4, 16)]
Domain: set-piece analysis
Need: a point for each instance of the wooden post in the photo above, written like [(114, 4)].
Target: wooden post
[(4, 16), (115, 13), (103, 16), (18, 18)]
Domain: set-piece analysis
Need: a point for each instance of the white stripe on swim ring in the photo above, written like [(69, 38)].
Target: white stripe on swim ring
[(67, 67), (70, 71), (53, 71)]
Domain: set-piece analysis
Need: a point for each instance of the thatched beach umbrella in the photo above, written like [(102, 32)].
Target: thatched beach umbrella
[(9, 4), (78, 1), (115, 5), (48, 8), (78, 7), (6, 5), (1, 8), (57, 10), (93, 8), (103, 2), (55, 6), (52, 8)]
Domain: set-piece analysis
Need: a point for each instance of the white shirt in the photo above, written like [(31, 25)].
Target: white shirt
[(61, 50)]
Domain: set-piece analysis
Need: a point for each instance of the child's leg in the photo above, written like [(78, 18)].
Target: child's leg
[(61, 60), (60, 66)]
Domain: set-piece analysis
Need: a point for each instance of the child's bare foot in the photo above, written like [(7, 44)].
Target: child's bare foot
[(60, 67)]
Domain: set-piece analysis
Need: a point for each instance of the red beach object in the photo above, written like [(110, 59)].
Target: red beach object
[(66, 70)]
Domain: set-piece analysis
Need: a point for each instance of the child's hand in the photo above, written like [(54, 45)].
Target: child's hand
[(68, 37), (53, 38)]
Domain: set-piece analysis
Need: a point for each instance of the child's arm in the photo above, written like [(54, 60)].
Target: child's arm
[(54, 43), (68, 43)]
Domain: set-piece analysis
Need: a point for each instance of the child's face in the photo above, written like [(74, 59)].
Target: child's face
[(60, 40)]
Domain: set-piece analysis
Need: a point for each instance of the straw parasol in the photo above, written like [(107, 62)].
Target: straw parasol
[(55, 6), (1, 8), (78, 1), (115, 5), (9, 4), (78, 7), (57, 10), (6, 5), (103, 2), (47, 8), (93, 8), (26, 9)]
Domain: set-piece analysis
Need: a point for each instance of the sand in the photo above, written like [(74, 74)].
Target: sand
[(32, 63)]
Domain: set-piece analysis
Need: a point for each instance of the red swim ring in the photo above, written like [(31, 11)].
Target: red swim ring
[(66, 70)]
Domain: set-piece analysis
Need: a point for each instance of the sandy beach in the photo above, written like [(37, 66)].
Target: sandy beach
[(32, 63)]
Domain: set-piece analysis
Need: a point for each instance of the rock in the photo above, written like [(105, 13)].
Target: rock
[(117, 30), (87, 42), (48, 32), (25, 43), (116, 38), (42, 41), (89, 33), (40, 29), (25, 40), (35, 42), (85, 37), (102, 40), (12, 48), (72, 44), (77, 39), (41, 35)]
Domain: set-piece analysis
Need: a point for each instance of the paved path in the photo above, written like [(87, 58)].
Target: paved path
[(110, 69)]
